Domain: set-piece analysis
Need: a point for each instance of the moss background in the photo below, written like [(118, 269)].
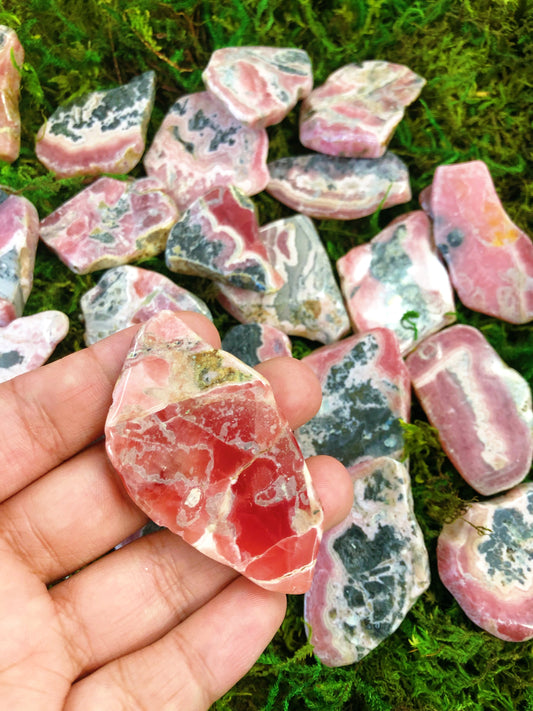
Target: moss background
[(477, 57)]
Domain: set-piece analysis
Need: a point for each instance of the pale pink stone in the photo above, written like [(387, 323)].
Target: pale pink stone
[(490, 259), (19, 235), (485, 559), (11, 60), (28, 342), (355, 112), (339, 188), (109, 223), (201, 145), (202, 449), (480, 407), (99, 132), (254, 343), (259, 85), (397, 281)]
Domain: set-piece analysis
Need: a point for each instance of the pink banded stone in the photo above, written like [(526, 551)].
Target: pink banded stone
[(339, 188), (259, 85), (397, 281), (19, 235), (490, 259), (109, 223), (128, 295), (480, 407), (371, 568), (254, 343), (491, 575), (202, 449), (355, 112), (218, 237), (99, 132), (11, 60), (27, 342), (309, 303), (366, 391), (200, 145)]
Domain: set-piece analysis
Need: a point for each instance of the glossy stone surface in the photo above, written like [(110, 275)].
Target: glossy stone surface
[(197, 438), (397, 281), (490, 259), (259, 85), (491, 575), (355, 112), (201, 145), (99, 132), (371, 568), (254, 343), (19, 235), (109, 223), (365, 392), (310, 303), (339, 188), (28, 342), (10, 49), (480, 407), (127, 295), (218, 237)]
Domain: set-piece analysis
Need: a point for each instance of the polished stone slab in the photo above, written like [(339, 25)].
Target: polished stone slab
[(11, 61), (254, 343)]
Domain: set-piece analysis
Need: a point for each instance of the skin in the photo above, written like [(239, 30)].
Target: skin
[(154, 625)]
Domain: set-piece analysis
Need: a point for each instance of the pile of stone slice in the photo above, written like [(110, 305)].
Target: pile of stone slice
[(206, 160)]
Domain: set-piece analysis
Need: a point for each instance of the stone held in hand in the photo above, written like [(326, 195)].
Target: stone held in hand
[(371, 568), (202, 449), (254, 343), (200, 145), (109, 223), (485, 559), (355, 112), (11, 60), (218, 237), (99, 132), (127, 295), (27, 342), (490, 259), (480, 406), (19, 236), (329, 187), (259, 85), (309, 303), (397, 281)]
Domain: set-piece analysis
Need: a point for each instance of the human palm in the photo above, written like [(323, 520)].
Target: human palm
[(155, 625)]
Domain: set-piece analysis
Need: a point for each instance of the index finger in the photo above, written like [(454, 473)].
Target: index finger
[(51, 413)]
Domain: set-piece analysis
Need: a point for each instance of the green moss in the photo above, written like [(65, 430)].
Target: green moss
[(478, 103)]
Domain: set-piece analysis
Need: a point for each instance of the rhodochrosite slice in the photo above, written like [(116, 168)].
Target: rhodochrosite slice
[(365, 392), (310, 302), (200, 145), (218, 237), (202, 448), (127, 295), (480, 407), (491, 575), (109, 223), (371, 568), (490, 259), (99, 132), (355, 112), (19, 235), (254, 343), (28, 342), (398, 281), (11, 54), (339, 188), (259, 85)]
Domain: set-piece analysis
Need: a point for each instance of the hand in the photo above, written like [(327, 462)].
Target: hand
[(153, 625)]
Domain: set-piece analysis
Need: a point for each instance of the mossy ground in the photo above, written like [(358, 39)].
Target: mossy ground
[(477, 57)]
